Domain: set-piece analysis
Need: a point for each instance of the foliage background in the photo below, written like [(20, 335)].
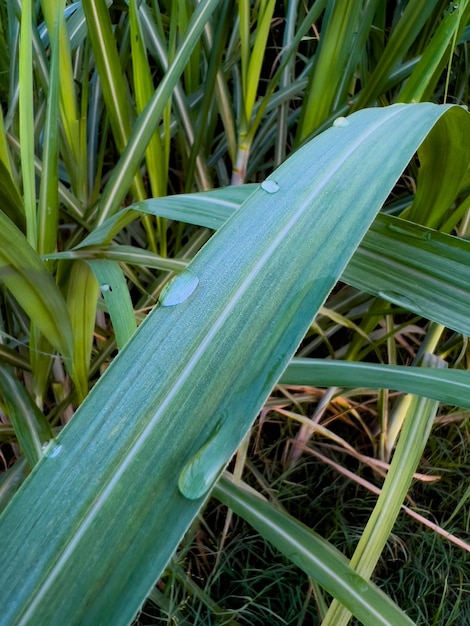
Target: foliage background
[(231, 90)]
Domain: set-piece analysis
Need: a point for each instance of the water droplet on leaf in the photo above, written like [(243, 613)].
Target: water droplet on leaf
[(341, 122), (55, 450), (178, 289), (51, 449), (106, 287), (270, 185), (202, 470)]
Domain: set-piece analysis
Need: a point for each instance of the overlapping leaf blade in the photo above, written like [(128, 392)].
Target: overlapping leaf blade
[(250, 302)]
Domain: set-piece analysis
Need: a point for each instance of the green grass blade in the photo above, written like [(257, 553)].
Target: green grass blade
[(113, 83), (53, 13), (451, 387), (413, 438), (120, 181), (48, 208), (116, 295), (26, 108), (131, 255), (313, 554), (143, 86), (428, 70), (152, 412), (405, 32), (31, 427), (332, 61), (82, 297), (11, 479), (26, 276)]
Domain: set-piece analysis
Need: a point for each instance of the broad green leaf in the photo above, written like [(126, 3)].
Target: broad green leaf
[(451, 387), (207, 208), (391, 250), (318, 558), (153, 411), (416, 268), (26, 276)]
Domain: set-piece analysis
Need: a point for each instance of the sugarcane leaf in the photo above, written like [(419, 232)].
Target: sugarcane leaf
[(195, 370)]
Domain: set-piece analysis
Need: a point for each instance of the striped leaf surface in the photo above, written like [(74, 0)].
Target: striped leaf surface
[(102, 512)]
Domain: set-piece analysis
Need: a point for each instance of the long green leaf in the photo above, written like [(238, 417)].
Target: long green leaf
[(119, 183), (448, 386), (116, 295), (128, 468), (115, 90), (26, 107), (314, 555), (417, 426), (26, 276), (392, 251)]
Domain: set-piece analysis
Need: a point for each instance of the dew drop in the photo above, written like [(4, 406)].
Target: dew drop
[(106, 287), (270, 186), (178, 289), (341, 122), (203, 469), (51, 449), (54, 451)]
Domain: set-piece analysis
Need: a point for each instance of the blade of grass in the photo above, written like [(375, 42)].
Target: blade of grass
[(404, 33), (113, 84), (116, 295), (31, 427), (48, 207), (26, 276), (318, 558), (420, 85), (133, 154), (26, 109), (82, 297), (451, 387), (413, 438), (339, 29)]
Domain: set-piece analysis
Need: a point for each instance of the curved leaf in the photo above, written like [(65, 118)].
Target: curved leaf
[(153, 411), (26, 276)]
